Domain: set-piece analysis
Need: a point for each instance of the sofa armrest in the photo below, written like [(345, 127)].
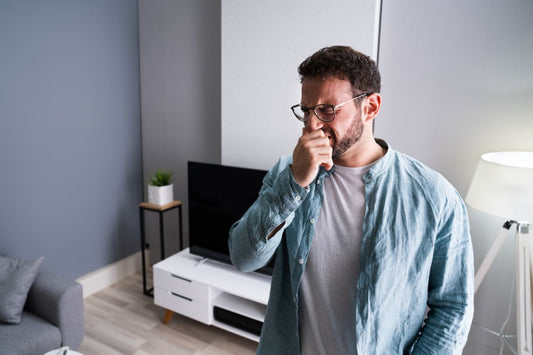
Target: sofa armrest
[(59, 301)]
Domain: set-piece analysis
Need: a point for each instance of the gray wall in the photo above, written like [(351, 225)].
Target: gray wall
[(458, 82), (180, 90), (70, 166)]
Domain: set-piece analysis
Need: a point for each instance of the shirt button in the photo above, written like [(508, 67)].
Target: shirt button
[(301, 261), (297, 198), (318, 182), (312, 221)]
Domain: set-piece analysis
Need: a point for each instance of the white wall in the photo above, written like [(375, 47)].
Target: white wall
[(457, 82), (263, 42), (180, 94)]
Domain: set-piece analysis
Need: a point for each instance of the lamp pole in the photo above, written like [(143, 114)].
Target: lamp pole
[(493, 251), (524, 270)]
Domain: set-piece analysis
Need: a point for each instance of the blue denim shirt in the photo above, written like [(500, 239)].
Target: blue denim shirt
[(416, 256)]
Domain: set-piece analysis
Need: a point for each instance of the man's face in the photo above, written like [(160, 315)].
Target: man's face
[(347, 127)]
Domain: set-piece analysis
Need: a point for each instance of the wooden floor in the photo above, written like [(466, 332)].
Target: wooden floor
[(121, 320)]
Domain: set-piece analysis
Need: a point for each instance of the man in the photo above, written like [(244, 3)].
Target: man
[(366, 239)]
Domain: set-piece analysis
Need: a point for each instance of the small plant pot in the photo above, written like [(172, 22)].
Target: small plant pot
[(160, 195)]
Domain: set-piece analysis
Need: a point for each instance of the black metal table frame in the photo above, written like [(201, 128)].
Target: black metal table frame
[(161, 210)]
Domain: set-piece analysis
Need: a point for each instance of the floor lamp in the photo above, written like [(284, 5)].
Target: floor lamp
[(503, 186)]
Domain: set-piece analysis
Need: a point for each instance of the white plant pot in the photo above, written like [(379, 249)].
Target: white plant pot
[(160, 195)]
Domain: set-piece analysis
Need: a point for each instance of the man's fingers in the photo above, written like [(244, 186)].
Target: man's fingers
[(328, 163), (314, 139), (320, 155), (312, 151)]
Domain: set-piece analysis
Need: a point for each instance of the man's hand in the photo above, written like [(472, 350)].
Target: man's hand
[(312, 151)]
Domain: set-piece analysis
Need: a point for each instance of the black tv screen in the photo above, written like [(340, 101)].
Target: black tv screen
[(218, 197)]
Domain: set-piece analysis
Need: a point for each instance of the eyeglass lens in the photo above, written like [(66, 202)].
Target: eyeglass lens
[(324, 112)]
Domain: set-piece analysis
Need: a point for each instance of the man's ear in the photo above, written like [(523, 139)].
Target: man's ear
[(372, 106)]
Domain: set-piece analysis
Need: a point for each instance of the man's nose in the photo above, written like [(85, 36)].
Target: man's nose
[(313, 123)]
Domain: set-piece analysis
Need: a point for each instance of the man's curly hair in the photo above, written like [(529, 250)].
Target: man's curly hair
[(344, 63)]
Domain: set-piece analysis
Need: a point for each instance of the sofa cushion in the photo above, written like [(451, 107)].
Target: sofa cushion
[(16, 278), (32, 336)]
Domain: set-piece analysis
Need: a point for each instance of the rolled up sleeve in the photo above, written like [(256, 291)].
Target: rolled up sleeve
[(249, 245)]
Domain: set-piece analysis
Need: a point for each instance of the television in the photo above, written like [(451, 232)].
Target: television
[(219, 195)]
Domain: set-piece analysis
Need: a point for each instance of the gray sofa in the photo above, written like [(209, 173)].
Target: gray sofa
[(52, 318)]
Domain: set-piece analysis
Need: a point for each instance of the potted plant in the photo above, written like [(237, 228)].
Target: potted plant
[(160, 188)]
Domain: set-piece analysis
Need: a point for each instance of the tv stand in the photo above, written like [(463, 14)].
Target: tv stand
[(211, 292)]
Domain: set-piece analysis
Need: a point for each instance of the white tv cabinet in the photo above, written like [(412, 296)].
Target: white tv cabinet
[(193, 286)]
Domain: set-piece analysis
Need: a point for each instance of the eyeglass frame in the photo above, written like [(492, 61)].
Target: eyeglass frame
[(333, 107)]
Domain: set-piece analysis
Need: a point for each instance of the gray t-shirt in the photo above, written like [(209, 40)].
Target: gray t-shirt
[(328, 285)]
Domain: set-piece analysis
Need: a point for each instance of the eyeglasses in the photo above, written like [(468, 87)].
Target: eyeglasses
[(324, 112)]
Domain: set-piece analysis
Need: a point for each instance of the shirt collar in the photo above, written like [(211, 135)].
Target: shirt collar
[(383, 164)]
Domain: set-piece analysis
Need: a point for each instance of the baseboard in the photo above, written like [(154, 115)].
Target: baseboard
[(108, 275)]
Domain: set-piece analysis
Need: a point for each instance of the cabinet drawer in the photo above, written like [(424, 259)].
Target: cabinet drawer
[(183, 305), (196, 291)]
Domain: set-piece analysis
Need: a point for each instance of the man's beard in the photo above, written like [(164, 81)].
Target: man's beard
[(351, 137)]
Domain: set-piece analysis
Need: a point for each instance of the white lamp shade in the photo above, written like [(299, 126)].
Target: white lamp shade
[(503, 185)]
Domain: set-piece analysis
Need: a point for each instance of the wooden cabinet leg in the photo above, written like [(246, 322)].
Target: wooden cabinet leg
[(168, 316)]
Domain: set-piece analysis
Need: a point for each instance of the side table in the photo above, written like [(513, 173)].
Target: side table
[(143, 206)]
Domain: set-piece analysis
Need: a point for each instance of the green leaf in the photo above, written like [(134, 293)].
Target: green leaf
[(161, 178)]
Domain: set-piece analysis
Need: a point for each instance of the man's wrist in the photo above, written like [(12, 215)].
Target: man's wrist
[(296, 180)]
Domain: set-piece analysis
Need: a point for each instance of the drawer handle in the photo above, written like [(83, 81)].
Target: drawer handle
[(181, 278), (180, 296)]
